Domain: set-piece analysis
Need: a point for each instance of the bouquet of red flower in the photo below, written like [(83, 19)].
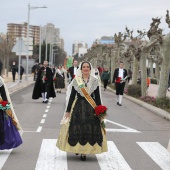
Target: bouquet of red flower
[(45, 78), (100, 112), (118, 80), (4, 105)]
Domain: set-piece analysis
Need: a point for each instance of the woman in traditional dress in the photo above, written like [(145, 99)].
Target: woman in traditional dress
[(9, 125), (59, 83), (81, 131)]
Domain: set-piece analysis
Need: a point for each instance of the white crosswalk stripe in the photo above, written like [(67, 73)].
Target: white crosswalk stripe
[(158, 153), (50, 157), (112, 159), (4, 154)]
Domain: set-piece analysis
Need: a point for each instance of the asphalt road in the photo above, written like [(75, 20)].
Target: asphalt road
[(137, 139)]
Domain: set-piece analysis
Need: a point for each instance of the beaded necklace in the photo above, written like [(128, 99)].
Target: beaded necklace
[(85, 82)]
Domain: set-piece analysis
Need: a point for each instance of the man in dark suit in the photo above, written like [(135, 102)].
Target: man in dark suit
[(72, 70), (119, 78), (44, 84)]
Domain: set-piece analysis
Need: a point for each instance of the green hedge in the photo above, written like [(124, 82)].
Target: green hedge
[(153, 81), (134, 90)]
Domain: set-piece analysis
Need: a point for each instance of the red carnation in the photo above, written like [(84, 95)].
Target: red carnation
[(4, 103), (45, 78), (100, 111)]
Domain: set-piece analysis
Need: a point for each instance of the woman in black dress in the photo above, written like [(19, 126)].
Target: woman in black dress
[(59, 83), (81, 130)]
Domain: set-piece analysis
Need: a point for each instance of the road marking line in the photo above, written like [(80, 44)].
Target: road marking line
[(39, 129), (48, 107), (46, 110), (157, 152), (45, 115), (14, 84), (50, 157), (42, 121), (29, 131), (126, 129), (4, 154), (112, 159)]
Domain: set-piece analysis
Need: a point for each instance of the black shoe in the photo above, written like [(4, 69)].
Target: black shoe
[(117, 103), (46, 101), (77, 153), (83, 157), (42, 101)]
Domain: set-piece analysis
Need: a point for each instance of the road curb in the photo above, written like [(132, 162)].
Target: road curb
[(12, 92), (153, 109)]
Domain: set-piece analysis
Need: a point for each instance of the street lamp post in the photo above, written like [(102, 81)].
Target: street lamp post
[(40, 47), (28, 24)]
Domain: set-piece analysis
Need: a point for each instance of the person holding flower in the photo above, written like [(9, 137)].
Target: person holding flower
[(82, 130), (44, 84), (10, 128), (119, 78)]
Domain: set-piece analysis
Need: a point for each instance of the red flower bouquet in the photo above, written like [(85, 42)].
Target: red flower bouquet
[(100, 112), (4, 103), (118, 80), (45, 78)]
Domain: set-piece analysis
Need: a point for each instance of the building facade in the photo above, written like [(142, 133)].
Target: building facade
[(105, 40), (79, 48), (15, 31), (50, 34)]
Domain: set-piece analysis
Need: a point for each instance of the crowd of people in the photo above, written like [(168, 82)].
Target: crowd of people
[(81, 131)]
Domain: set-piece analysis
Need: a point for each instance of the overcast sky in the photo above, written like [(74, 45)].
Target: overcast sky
[(85, 20)]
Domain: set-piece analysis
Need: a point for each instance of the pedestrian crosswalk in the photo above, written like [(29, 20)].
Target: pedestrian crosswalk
[(112, 159), (158, 153), (4, 156), (50, 157)]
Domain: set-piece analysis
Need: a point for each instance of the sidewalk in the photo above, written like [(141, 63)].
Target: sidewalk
[(15, 86), (153, 88), (151, 92)]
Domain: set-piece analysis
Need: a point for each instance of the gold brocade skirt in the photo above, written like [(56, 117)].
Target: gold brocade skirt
[(62, 142)]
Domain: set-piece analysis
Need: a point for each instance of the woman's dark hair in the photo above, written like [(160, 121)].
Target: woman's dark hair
[(83, 63)]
